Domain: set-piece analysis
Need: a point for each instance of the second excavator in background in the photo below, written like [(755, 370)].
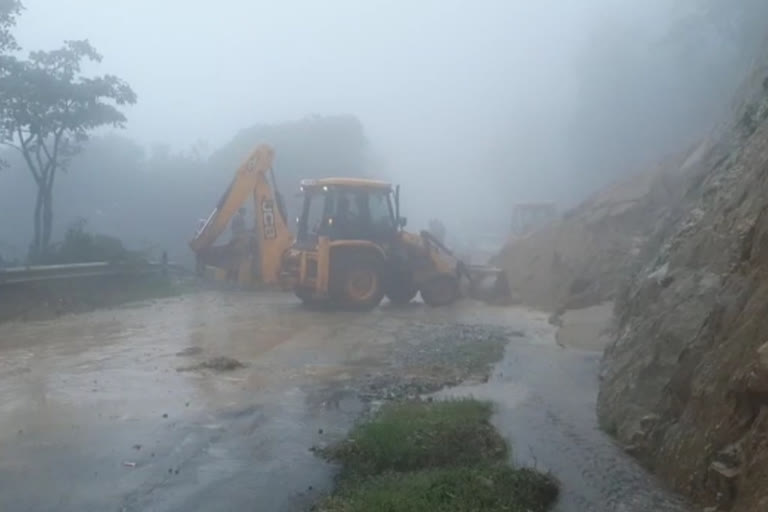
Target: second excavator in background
[(350, 249)]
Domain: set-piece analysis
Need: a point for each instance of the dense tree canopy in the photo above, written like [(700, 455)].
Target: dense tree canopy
[(314, 147), (9, 9), (152, 198), (47, 110)]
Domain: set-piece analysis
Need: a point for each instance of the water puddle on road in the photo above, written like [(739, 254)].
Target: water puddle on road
[(545, 406), (262, 381)]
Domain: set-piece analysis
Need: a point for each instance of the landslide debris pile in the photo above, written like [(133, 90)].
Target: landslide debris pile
[(580, 260), (685, 382)]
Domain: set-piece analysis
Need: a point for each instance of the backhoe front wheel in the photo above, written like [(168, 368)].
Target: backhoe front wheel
[(358, 284), (441, 290)]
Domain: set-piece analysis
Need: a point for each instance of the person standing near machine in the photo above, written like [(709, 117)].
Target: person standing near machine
[(238, 226)]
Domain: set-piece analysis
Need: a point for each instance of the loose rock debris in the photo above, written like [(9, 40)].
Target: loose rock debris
[(427, 358), (190, 351), (217, 364)]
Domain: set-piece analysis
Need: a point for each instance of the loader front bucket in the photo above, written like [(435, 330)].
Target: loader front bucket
[(488, 284)]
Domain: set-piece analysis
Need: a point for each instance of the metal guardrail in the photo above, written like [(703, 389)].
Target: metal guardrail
[(29, 274)]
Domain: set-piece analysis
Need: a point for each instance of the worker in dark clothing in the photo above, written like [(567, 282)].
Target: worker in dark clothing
[(349, 222), (238, 224)]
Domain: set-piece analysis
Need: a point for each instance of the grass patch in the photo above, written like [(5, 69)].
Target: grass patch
[(419, 435), (147, 287), (476, 489), (479, 357), (441, 456)]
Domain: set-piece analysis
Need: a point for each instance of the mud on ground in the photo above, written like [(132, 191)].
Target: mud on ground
[(80, 392)]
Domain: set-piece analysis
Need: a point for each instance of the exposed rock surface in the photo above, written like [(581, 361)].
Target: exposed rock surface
[(685, 382)]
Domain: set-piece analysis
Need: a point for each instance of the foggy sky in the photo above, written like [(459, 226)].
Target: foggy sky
[(204, 69), (447, 90)]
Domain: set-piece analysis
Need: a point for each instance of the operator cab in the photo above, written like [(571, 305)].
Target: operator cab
[(347, 209)]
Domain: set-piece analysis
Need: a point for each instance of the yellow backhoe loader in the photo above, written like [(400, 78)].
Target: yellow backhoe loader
[(350, 250)]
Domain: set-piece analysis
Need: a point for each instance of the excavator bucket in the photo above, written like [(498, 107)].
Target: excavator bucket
[(488, 284), (483, 282)]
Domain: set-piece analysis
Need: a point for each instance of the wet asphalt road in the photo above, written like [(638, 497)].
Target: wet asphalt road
[(95, 416)]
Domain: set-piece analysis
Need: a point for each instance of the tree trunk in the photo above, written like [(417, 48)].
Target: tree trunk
[(47, 221), (35, 250)]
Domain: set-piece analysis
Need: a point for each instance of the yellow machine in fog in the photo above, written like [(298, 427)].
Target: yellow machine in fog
[(350, 249)]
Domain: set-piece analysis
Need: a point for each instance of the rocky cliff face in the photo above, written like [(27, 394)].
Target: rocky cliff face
[(685, 381)]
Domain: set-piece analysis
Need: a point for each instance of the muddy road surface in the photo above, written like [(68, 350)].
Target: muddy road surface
[(214, 401)]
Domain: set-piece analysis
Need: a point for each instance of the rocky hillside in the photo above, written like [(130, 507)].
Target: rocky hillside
[(685, 382), (581, 259)]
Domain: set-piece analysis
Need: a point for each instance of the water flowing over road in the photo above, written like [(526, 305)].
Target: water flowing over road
[(147, 407)]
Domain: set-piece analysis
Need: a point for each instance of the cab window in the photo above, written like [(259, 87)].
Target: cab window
[(382, 217), (313, 220)]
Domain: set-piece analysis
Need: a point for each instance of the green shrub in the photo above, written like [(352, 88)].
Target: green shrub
[(79, 246)]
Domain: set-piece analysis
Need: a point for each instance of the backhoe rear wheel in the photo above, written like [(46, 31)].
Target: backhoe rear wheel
[(440, 290), (358, 283)]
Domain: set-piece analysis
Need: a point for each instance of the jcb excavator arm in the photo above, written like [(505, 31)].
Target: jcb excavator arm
[(273, 236)]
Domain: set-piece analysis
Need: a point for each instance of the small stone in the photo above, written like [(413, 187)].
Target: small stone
[(648, 421), (137, 447), (320, 431), (165, 415), (726, 472), (762, 354), (631, 449), (177, 471)]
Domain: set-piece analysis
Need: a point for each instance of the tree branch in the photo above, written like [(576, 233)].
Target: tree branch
[(27, 157), (51, 177), (57, 143), (42, 169), (53, 160), (24, 142), (49, 158)]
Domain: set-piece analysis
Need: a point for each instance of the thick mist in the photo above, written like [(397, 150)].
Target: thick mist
[(471, 106)]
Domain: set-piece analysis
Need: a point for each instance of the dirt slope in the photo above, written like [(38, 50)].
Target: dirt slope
[(685, 382), (580, 260)]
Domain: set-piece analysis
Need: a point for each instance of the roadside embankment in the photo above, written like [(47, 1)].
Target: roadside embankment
[(685, 379), (41, 300)]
